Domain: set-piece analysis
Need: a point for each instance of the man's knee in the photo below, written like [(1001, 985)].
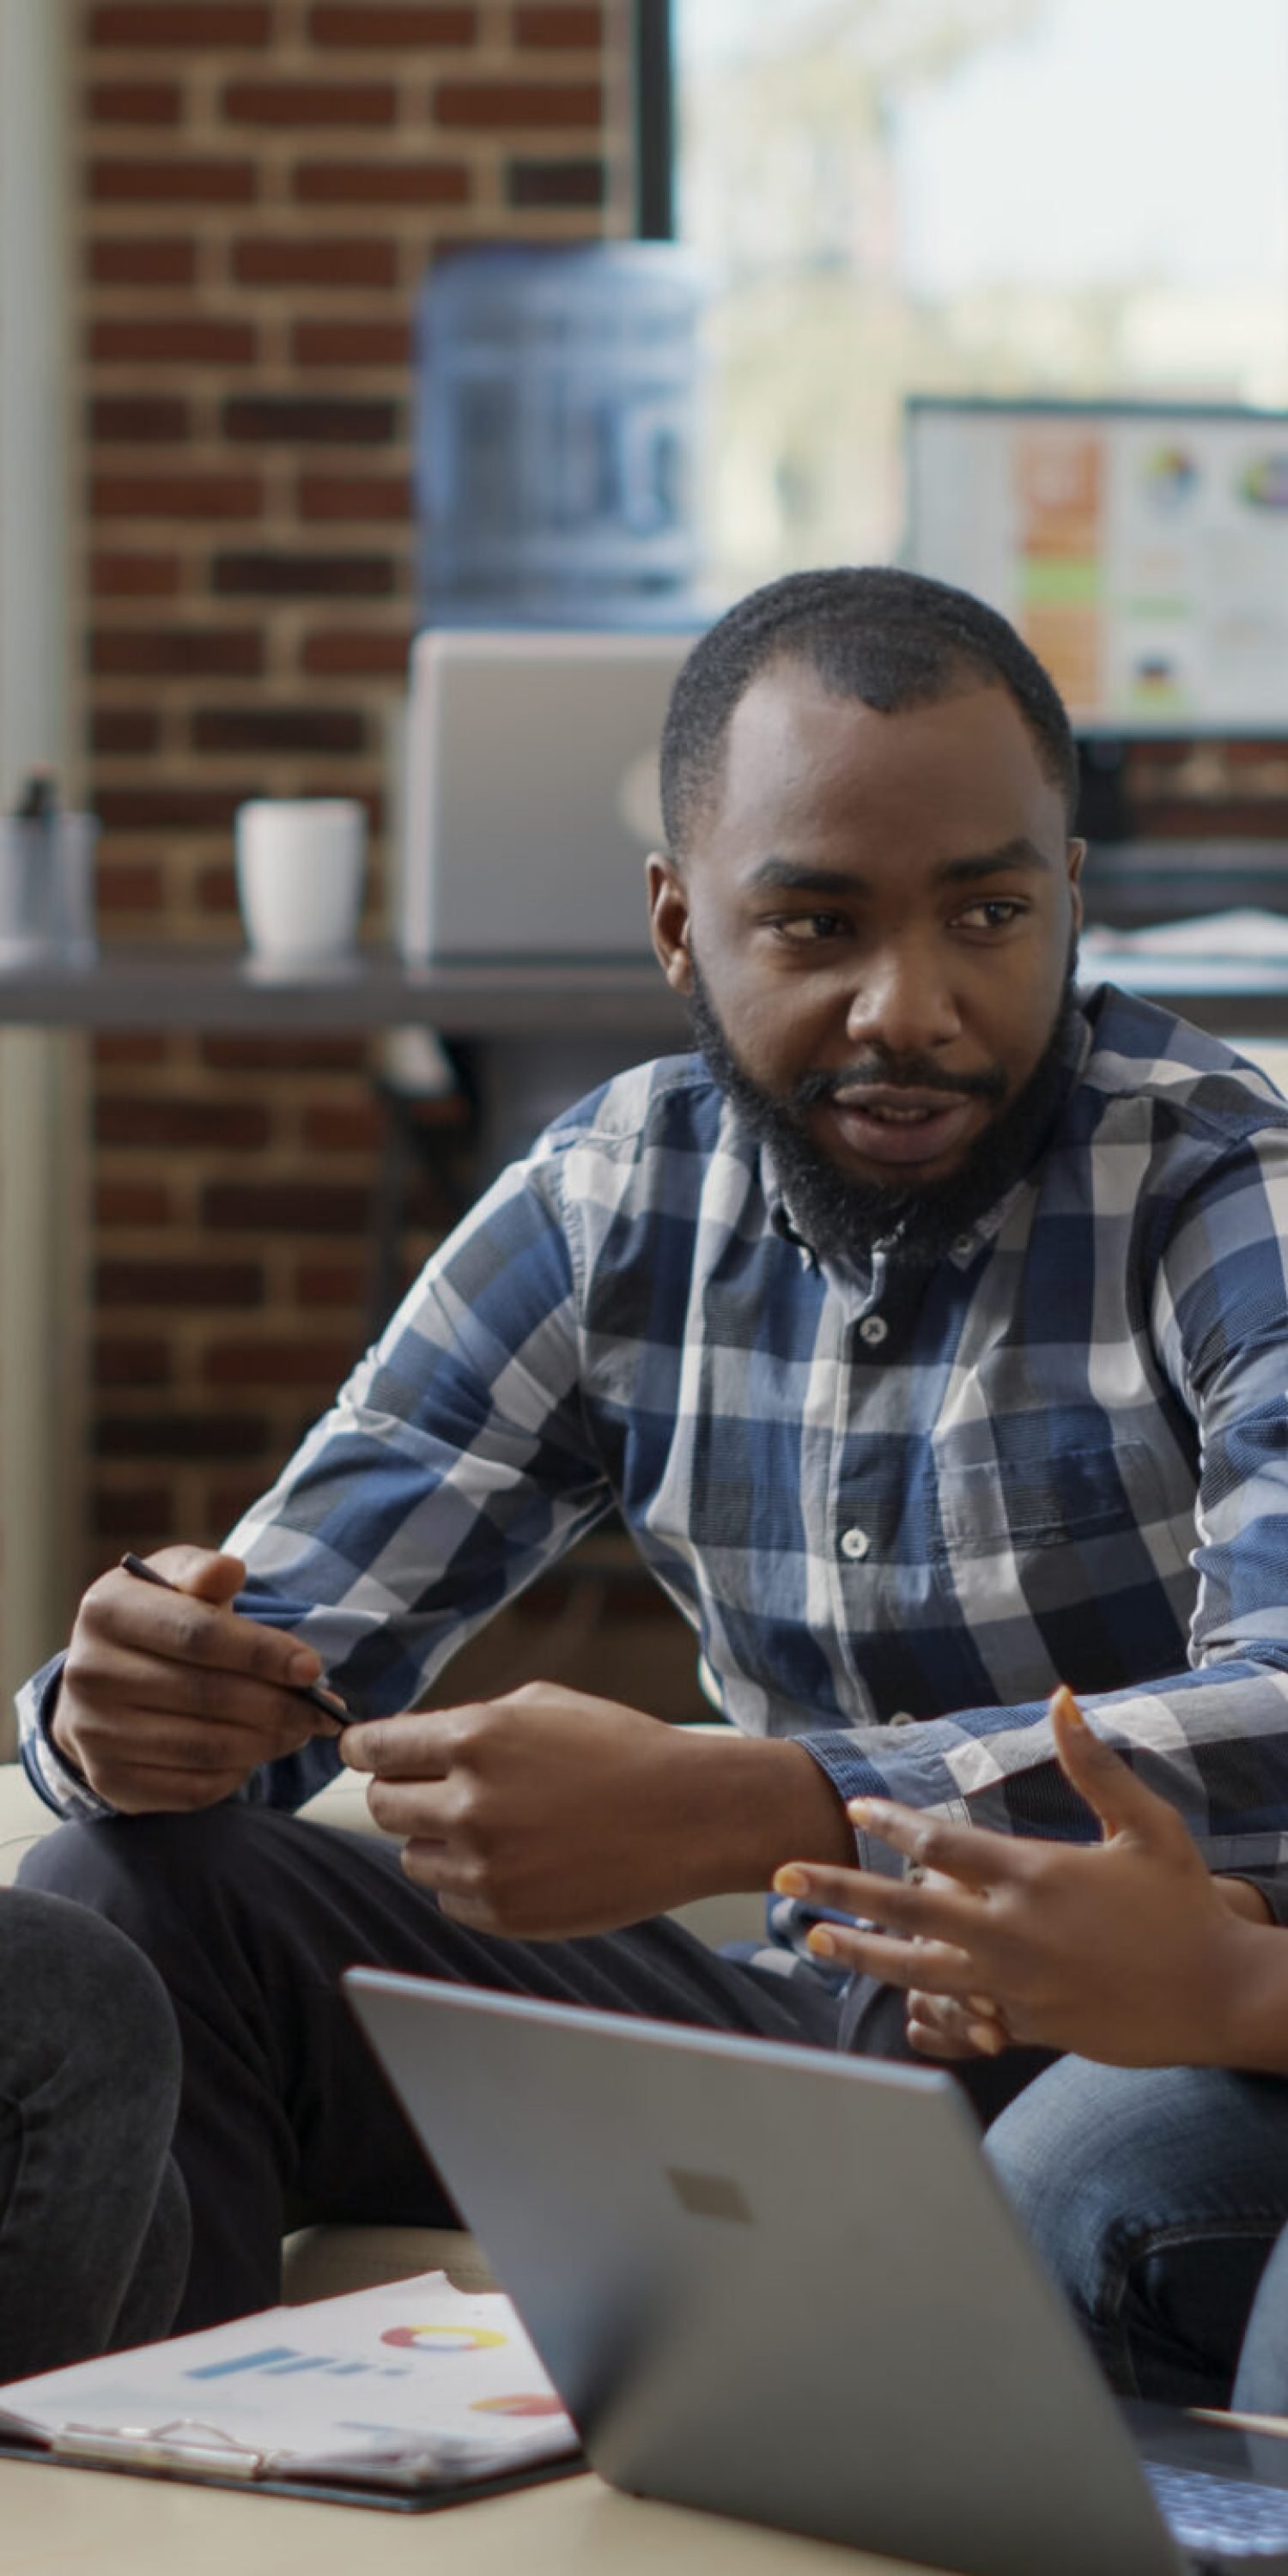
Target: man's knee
[(154, 1876), (83, 1999)]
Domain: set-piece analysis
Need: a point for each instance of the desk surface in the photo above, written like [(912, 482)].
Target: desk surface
[(177, 987), (171, 987), (73, 2522)]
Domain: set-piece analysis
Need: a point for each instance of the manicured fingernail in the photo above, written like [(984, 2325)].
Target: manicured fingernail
[(985, 2035), (860, 1811), (1068, 1706), (821, 1942), (790, 1881), (984, 2006), (305, 1666)]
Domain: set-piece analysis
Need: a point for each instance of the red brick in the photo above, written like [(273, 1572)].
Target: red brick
[(330, 1283), (169, 807), (189, 1437), (177, 652), (285, 1207), (335, 1129), (216, 889), (312, 1054), (130, 1046), (131, 1203), (331, 732), (355, 496), (366, 23), (138, 419), (119, 1361), (143, 263), (180, 182), (127, 886), (142, 1517), (1234, 817), (179, 1283), (134, 103), (311, 420), (311, 103), (260, 262), (115, 576), (177, 496), (124, 729), (292, 576), (230, 1501), (555, 183), (382, 183), (296, 1362), (351, 344), (339, 654), (237, 1126), (181, 22), (559, 29), (188, 339), (483, 106)]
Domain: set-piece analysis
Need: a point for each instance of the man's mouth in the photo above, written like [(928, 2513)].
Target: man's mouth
[(893, 1126)]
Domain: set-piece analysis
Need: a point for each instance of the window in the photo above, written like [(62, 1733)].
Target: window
[(1024, 197)]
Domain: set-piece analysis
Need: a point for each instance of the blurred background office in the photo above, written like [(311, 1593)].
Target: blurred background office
[(216, 217)]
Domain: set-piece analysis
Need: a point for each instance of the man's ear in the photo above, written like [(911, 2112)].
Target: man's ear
[(668, 912), (1076, 855)]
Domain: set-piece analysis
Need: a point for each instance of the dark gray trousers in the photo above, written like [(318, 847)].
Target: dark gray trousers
[(250, 1917)]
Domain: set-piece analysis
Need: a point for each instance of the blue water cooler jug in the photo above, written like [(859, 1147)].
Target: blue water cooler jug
[(557, 436)]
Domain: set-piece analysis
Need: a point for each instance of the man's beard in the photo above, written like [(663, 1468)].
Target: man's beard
[(842, 1218)]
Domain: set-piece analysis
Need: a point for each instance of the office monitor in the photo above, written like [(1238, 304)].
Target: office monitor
[(1140, 548)]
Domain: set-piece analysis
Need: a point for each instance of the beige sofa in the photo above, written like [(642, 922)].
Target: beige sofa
[(321, 2261)]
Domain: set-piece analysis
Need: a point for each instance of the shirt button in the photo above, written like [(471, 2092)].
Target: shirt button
[(962, 1246), (873, 1329), (855, 1544)]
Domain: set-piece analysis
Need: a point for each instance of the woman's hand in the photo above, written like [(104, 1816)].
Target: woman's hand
[(1126, 1950)]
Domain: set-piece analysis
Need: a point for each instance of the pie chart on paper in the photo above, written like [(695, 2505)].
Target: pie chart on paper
[(444, 2338)]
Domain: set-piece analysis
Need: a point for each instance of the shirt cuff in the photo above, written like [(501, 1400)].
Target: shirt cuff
[(52, 1777), (1272, 1884)]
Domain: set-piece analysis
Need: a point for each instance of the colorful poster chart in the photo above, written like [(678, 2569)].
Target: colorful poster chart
[(1143, 553)]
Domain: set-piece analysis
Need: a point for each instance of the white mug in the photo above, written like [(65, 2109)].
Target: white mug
[(299, 877)]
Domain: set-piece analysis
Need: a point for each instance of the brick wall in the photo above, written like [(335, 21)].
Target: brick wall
[(264, 181)]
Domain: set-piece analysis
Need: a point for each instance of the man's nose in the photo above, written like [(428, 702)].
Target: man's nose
[(902, 1001)]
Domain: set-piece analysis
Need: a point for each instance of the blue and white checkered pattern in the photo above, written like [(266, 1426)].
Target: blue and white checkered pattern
[(1062, 1456)]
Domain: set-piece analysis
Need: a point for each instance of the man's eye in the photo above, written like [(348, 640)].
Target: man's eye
[(996, 913), (805, 927)]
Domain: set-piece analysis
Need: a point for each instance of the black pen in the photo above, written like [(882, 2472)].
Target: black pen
[(329, 1701)]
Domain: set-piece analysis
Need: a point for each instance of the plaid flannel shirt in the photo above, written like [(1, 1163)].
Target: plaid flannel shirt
[(895, 1514)]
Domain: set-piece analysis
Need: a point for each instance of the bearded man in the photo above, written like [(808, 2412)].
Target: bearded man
[(927, 1327)]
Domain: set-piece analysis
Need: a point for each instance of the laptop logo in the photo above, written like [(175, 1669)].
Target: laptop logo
[(707, 2195)]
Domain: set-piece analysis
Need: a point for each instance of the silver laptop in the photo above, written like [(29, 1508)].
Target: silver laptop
[(786, 2286), (531, 796)]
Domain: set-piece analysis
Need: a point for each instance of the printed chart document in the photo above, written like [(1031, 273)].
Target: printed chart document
[(416, 2392)]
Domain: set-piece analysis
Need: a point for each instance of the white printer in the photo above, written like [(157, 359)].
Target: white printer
[(531, 796)]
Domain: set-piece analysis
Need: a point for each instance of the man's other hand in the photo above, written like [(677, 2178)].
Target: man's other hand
[(547, 1814), (1125, 1950), (168, 1701)]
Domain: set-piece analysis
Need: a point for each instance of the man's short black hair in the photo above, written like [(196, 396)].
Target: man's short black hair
[(893, 639)]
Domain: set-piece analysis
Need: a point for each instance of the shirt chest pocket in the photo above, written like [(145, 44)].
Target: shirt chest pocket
[(1085, 1499)]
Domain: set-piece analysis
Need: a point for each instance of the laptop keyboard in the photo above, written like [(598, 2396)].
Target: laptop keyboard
[(1210, 2515)]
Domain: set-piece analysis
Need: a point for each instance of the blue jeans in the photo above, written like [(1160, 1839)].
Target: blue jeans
[(1155, 2197)]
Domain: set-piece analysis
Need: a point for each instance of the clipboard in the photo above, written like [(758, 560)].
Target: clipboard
[(406, 2398), (381, 2499)]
